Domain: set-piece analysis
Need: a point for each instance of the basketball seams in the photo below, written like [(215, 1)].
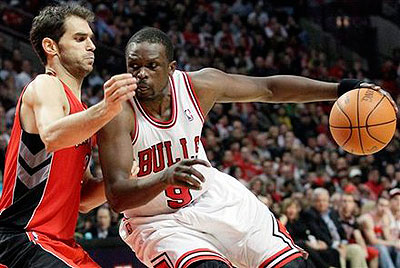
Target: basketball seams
[(375, 121), (374, 125), (366, 121), (358, 121), (350, 127), (373, 109)]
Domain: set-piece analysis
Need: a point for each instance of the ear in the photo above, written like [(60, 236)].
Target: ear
[(49, 46), (171, 67)]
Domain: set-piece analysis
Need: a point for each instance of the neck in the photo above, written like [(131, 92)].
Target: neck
[(160, 106), (74, 83)]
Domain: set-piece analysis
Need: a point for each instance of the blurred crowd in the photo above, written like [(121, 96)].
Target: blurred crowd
[(342, 208)]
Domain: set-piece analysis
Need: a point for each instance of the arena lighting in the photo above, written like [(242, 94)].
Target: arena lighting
[(342, 21)]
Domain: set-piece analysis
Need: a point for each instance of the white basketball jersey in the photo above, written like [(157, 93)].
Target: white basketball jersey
[(158, 145)]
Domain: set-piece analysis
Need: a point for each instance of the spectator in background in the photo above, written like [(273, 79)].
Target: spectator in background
[(347, 212), (103, 228), (373, 184), (394, 215), (24, 77), (295, 225), (323, 222), (376, 228)]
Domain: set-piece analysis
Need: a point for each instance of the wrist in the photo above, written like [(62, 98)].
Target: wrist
[(346, 85), (103, 111)]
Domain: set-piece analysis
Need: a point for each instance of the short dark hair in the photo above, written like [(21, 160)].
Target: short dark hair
[(153, 36), (51, 23)]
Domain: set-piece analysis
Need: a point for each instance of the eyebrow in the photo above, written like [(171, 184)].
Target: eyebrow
[(134, 57), (84, 34)]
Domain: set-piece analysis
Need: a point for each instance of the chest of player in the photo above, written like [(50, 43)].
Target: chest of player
[(157, 149)]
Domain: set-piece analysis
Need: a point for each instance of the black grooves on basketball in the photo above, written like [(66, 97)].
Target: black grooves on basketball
[(358, 120), (351, 127), (366, 120), (375, 125)]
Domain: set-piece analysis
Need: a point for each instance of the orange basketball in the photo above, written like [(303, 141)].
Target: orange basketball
[(362, 121)]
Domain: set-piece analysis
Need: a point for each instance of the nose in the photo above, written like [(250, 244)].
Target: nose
[(90, 45), (141, 74)]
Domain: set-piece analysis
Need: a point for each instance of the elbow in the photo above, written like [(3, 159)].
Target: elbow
[(115, 200), (49, 142)]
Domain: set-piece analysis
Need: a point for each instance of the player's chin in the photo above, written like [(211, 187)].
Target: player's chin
[(88, 68)]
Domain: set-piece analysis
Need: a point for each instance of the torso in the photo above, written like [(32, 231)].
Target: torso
[(42, 190), (159, 144)]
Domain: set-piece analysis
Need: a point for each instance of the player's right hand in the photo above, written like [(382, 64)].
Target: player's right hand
[(117, 90), (184, 174)]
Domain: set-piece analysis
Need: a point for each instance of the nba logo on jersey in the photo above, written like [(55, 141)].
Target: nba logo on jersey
[(189, 115)]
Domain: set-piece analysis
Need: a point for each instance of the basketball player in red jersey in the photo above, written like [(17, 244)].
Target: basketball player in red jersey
[(177, 215), (46, 180)]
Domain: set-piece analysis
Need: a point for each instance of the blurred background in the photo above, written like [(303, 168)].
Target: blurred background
[(281, 152)]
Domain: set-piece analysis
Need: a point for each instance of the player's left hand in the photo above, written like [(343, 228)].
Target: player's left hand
[(383, 92)]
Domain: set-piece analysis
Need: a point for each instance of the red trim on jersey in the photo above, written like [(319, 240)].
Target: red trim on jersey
[(287, 260), (136, 130), (156, 122), (205, 255), (282, 230), (3, 266), (192, 95), (282, 262), (270, 259)]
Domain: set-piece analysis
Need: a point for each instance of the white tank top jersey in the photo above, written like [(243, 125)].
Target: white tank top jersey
[(158, 145)]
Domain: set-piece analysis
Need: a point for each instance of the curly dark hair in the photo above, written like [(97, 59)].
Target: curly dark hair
[(51, 23)]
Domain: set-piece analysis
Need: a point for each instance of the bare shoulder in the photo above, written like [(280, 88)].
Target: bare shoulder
[(207, 78), (43, 87), (123, 122), (365, 220)]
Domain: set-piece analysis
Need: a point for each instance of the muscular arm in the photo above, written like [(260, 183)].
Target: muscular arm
[(92, 193), (116, 157), (45, 98), (212, 85), (367, 224)]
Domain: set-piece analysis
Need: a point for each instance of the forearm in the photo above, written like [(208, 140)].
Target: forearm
[(287, 88), (75, 128), (131, 193), (92, 195)]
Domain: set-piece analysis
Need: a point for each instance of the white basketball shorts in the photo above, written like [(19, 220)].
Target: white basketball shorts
[(226, 223)]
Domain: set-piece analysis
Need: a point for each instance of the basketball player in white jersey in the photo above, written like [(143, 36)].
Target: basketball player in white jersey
[(183, 213)]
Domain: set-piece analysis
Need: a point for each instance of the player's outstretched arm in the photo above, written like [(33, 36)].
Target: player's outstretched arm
[(57, 129), (212, 85), (116, 156)]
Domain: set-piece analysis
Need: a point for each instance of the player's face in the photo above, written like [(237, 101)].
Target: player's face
[(76, 48), (149, 64)]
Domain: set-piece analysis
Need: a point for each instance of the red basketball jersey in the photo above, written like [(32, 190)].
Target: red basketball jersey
[(41, 191)]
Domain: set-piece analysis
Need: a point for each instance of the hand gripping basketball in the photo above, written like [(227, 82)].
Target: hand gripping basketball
[(346, 85)]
